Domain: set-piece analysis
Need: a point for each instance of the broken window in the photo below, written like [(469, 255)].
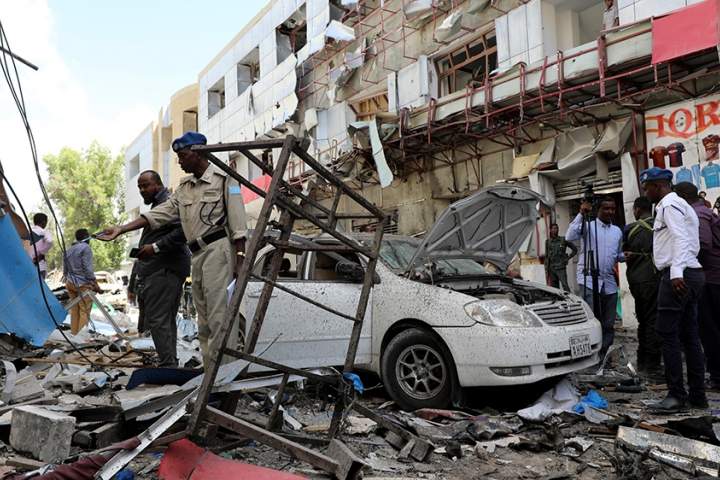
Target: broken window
[(578, 23), (290, 267), (325, 267), (190, 121), (469, 64), (367, 108), (248, 70), (216, 97), (291, 35)]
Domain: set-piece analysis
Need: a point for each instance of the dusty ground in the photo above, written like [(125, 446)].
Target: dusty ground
[(543, 456)]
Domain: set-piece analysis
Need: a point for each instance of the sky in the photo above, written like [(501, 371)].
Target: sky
[(105, 70)]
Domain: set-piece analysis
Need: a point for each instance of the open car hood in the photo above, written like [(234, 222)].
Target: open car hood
[(490, 225)]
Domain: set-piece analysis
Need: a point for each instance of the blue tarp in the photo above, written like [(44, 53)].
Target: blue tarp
[(22, 309)]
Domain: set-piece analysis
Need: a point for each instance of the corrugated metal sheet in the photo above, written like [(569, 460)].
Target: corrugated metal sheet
[(22, 309)]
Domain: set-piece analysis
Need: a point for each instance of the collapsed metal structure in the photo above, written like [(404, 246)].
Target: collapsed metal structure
[(293, 205)]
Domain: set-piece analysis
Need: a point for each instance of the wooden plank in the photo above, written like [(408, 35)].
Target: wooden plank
[(24, 463)]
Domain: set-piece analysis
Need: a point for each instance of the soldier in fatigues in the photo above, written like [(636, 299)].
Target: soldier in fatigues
[(211, 211), (644, 281), (556, 258)]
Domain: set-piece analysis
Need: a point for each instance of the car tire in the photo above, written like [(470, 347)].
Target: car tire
[(417, 370)]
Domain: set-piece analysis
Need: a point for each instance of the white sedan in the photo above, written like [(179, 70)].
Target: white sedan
[(437, 320)]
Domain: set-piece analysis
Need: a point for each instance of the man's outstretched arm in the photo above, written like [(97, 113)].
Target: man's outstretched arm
[(111, 233)]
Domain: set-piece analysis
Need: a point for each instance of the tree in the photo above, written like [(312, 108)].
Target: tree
[(87, 190)]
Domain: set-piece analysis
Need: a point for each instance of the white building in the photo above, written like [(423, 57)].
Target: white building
[(138, 158)]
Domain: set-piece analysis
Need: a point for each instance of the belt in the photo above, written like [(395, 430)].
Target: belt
[(206, 240)]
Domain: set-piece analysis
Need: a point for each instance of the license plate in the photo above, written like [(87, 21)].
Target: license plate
[(580, 346)]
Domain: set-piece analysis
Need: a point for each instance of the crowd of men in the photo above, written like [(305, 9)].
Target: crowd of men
[(672, 254), (202, 225)]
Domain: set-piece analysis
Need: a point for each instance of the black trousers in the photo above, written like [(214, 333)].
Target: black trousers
[(606, 315), (649, 343), (159, 299), (558, 278), (677, 325), (709, 315)]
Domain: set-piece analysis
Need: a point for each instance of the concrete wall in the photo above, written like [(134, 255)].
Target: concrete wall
[(179, 116), (635, 10), (141, 151)]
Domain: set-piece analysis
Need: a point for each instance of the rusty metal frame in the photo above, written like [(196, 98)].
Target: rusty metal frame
[(293, 205)]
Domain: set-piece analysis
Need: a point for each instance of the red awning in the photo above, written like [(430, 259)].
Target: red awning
[(686, 31)]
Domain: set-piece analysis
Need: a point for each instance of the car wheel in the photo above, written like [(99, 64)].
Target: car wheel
[(417, 370)]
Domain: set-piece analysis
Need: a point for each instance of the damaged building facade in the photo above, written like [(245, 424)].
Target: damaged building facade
[(151, 150), (420, 103)]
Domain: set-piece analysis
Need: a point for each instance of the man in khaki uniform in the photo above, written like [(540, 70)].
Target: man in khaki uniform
[(212, 214)]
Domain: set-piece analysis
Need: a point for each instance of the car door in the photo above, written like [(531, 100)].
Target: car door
[(299, 334)]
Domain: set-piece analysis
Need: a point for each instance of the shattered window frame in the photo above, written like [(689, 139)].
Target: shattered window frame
[(482, 49)]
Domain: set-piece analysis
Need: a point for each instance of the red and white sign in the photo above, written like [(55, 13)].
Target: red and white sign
[(685, 138)]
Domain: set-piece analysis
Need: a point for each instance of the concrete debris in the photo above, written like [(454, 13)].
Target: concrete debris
[(643, 440), (44, 434), (477, 6), (117, 392), (339, 32), (450, 26), (359, 426), (378, 152)]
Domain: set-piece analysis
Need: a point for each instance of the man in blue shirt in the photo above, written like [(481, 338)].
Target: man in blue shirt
[(605, 240), (80, 277)]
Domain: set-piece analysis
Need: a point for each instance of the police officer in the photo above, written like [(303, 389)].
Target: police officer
[(676, 244), (159, 273), (212, 214), (644, 281), (556, 258)]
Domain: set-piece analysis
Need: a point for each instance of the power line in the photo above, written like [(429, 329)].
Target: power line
[(18, 96)]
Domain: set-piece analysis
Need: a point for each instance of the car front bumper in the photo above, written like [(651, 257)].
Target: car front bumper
[(521, 355)]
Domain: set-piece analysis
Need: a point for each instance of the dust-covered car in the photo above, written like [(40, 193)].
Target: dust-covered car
[(437, 319)]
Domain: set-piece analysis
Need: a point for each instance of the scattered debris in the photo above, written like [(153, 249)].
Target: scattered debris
[(706, 457), (44, 434), (561, 398)]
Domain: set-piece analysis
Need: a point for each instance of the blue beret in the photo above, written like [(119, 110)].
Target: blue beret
[(187, 140), (654, 174)]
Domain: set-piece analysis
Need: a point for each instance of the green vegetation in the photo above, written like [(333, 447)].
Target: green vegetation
[(87, 192)]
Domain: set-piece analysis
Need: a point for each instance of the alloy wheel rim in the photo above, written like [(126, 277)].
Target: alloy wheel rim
[(421, 372)]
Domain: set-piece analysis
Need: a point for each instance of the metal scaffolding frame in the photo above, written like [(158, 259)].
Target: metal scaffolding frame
[(293, 205)]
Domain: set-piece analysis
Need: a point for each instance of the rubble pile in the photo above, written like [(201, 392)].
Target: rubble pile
[(67, 408)]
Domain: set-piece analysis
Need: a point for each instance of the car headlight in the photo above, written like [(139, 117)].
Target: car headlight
[(501, 313)]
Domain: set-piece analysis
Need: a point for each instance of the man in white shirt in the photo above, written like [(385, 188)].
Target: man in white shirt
[(40, 242), (676, 244), (611, 17), (605, 241)]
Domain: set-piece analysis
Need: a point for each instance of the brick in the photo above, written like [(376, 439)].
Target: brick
[(44, 434)]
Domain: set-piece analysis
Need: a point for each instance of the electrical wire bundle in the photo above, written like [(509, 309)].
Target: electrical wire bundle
[(12, 78)]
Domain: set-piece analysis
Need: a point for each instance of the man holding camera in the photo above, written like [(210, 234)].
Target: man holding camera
[(159, 273), (604, 239)]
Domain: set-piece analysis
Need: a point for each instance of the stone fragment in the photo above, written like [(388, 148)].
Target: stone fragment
[(44, 434)]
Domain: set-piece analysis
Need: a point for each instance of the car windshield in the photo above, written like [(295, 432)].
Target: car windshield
[(398, 254)]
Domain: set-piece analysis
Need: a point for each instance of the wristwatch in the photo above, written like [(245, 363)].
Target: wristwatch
[(156, 249)]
